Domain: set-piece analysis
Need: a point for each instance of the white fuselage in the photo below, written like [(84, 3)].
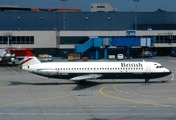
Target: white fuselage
[(138, 70)]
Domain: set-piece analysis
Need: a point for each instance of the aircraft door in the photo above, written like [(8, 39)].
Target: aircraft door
[(148, 70)]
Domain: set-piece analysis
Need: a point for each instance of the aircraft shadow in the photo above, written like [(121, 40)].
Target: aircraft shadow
[(98, 119), (9, 65), (46, 83), (83, 85), (79, 86)]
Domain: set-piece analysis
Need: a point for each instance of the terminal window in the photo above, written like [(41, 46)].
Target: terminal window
[(100, 6), (17, 40)]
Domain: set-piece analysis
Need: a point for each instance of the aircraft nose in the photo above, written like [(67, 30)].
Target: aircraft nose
[(169, 72)]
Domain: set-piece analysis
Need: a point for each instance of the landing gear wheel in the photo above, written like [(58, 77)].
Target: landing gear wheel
[(146, 80)]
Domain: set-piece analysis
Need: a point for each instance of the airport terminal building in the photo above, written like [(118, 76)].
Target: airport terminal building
[(56, 32)]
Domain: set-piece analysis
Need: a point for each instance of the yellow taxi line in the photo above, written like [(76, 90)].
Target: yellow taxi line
[(130, 100), (12, 70), (37, 100)]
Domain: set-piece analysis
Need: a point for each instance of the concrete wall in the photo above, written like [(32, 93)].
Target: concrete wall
[(116, 33), (47, 27), (42, 39), (51, 39)]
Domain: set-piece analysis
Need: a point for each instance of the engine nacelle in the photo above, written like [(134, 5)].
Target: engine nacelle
[(46, 72)]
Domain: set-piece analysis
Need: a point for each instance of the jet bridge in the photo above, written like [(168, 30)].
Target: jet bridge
[(96, 43), (130, 42), (127, 42)]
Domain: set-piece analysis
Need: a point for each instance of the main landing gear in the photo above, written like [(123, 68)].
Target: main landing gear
[(146, 80)]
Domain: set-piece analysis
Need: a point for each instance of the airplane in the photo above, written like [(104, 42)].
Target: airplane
[(81, 71), (7, 56)]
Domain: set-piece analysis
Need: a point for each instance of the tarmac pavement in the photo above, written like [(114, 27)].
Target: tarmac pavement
[(24, 96)]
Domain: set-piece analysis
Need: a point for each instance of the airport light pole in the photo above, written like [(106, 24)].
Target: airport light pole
[(64, 13), (135, 13), (9, 38)]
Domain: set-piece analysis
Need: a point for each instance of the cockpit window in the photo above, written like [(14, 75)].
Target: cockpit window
[(159, 66)]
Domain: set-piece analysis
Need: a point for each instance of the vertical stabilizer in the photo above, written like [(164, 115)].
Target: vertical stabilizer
[(32, 60), (29, 58)]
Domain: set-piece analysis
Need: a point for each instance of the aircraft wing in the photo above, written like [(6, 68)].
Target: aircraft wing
[(85, 77)]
